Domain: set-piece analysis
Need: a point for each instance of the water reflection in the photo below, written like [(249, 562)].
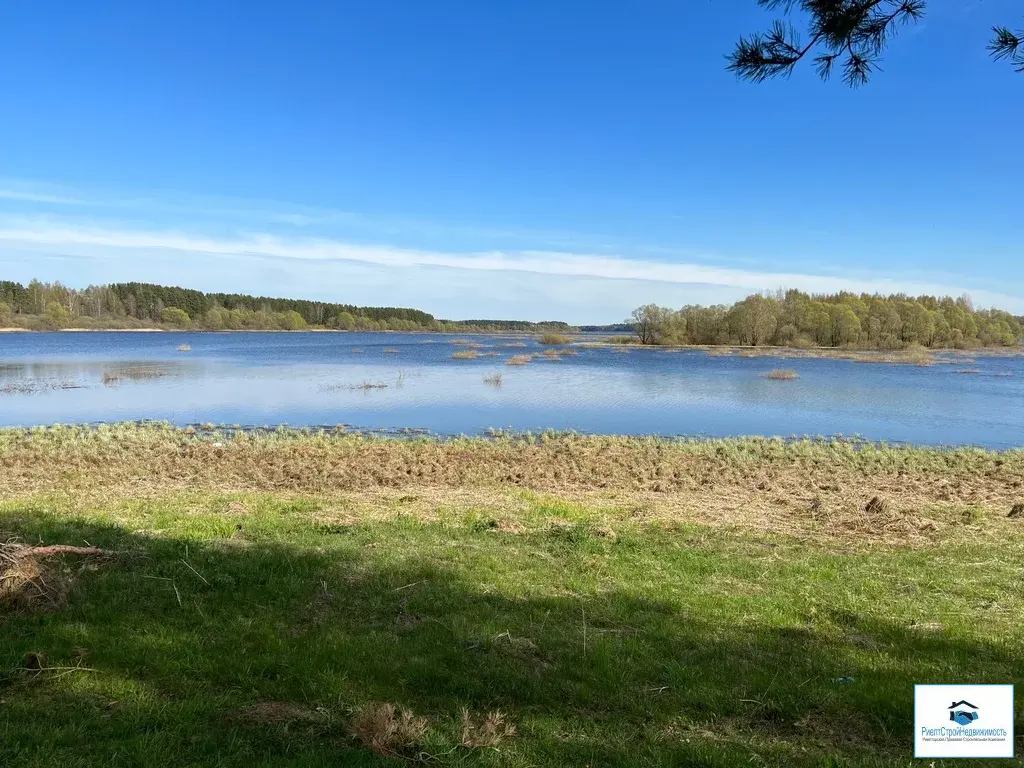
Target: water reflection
[(397, 380)]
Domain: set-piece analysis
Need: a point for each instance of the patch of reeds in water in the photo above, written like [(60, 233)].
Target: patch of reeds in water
[(781, 374), (551, 354), (366, 386), (184, 347), (494, 380), (554, 339), (35, 386), (516, 344), (968, 370), (519, 360), (390, 351), (133, 373), (465, 354)]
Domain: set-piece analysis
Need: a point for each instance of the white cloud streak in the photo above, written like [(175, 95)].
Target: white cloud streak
[(73, 238)]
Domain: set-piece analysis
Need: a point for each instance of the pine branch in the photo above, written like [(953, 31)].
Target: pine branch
[(1008, 45), (854, 32)]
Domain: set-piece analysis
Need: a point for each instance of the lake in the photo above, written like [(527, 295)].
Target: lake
[(313, 379)]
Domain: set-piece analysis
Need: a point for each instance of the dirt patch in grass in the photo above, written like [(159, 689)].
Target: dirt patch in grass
[(280, 712)]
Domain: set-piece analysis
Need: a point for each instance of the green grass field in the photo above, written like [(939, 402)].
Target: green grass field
[(246, 626)]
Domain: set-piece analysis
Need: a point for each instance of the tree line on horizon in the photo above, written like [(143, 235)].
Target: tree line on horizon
[(53, 306), (780, 318), (793, 318)]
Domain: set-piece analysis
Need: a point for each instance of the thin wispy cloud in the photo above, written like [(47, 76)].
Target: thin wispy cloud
[(37, 197), (96, 240)]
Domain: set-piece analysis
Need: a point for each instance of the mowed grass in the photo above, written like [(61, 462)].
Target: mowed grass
[(255, 625)]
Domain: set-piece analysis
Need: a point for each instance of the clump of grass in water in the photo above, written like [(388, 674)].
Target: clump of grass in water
[(619, 340), (493, 380), (516, 344), (551, 354), (390, 351), (184, 347), (554, 339), (132, 374), (781, 374), (35, 386), (519, 360), (968, 370), (366, 386), (465, 354)]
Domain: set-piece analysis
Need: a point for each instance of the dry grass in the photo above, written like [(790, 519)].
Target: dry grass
[(551, 354), (519, 360), (29, 581), (515, 344), (913, 355), (781, 374), (388, 730), (485, 732), (554, 339), (813, 486), (465, 354)]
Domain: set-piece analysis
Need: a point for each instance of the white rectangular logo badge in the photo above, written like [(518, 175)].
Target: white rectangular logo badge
[(963, 721)]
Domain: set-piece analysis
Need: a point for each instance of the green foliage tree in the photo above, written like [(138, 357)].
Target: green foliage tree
[(5, 313), (793, 318), (177, 317), (291, 321), (754, 320), (845, 325), (57, 315), (850, 34)]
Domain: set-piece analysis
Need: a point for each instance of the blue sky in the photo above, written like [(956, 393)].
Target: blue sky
[(537, 160)]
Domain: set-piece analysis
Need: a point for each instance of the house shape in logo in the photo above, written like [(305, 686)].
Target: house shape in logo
[(963, 712)]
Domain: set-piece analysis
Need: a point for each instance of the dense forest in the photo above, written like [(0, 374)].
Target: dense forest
[(795, 318), (53, 306)]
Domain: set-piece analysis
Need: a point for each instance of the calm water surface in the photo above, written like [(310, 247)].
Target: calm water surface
[(303, 379)]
